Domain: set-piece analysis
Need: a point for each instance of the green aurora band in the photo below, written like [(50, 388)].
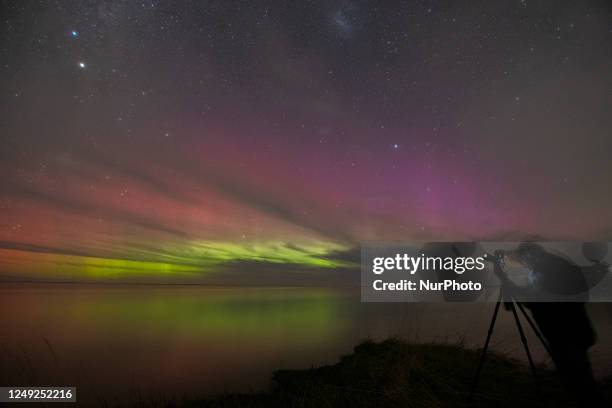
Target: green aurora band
[(188, 261)]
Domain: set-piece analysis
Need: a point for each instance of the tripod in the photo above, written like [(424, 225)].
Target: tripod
[(509, 304)]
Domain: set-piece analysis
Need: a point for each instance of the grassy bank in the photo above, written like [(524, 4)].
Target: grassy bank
[(395, 373)]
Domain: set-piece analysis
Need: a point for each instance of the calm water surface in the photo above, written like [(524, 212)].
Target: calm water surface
[(117, 342)]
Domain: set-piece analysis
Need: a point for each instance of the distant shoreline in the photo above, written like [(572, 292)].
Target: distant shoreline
[(210, 285)]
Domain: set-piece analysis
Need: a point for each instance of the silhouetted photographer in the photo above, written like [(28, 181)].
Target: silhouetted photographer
[(564, 325)]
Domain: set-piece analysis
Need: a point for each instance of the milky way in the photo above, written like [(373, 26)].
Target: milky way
[(182, 139)]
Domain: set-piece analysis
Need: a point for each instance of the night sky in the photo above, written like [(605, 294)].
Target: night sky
[(177, 140)]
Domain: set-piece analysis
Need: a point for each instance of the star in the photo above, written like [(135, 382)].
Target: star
[(395, 146), (74, 34)]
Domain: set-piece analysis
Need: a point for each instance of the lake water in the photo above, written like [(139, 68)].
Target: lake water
[(147, 342)]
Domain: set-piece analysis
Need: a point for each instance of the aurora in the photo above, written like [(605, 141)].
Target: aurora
[(290, 135), (191, 262)]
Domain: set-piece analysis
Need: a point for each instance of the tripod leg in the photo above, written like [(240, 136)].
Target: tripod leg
[(535, 329), (524, 341), (486, 346)]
